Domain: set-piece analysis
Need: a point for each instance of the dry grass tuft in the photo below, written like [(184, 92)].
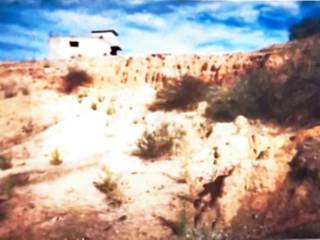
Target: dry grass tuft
[(56, 157), (108, 185), (94, 106)]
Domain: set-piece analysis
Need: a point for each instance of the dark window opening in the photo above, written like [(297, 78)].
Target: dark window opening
[(114, 50), (74, 44)]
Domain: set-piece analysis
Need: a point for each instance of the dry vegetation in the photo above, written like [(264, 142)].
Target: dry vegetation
[(56, 157), (181, 94), (5, 163), (74, 79), (164, 140)]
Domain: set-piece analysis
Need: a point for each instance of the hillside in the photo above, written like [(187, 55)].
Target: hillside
[(162, 146)]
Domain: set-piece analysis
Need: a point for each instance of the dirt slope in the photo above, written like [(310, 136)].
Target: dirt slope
[(243, 163)]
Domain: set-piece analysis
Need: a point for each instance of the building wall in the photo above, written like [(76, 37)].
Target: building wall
[(108, 37), (59, 47)]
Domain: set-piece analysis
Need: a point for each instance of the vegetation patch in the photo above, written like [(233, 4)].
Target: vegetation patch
[(5, 163), (15, 180), (108, 185), (164, 140), (306, 163), (287, 95), (74, 79), (94, 106), (179, 94), (56, 157)]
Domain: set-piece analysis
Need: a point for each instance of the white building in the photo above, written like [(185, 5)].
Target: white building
[(100, 43)]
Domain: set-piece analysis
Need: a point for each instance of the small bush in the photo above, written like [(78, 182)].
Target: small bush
[(306, 163), (25, 89), (179, 94), (94, 106), (184, 228), (10, 89), (76, 78), (161, 141), (5, 163), (55, 157), (225, 104), (108, 185), (110, 110), (101, 98)]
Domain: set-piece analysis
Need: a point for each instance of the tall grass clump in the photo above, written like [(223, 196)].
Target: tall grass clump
[(163, 140)]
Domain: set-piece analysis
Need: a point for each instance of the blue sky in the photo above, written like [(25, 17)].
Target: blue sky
[(150, 26)]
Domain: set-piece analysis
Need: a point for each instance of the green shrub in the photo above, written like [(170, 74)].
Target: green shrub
[(163, 140), (225, 104), (179, 94), (108, 185), (262, 94)]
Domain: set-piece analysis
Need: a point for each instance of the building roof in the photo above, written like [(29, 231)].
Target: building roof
[(106, 31)]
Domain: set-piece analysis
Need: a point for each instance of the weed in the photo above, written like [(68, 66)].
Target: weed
[(101, 98), (110, 110), (108, 185), (46, 65), (5, 163), (94, 106), (165, 139), (55, 157), (183, 227), (178, 227), (25, 89), (82, 95)]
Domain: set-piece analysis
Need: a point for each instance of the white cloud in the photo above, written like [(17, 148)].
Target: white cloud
[(79, 22), (146, 19), (185, 37)]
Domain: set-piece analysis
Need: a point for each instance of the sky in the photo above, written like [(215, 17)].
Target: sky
[(150, 26)]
